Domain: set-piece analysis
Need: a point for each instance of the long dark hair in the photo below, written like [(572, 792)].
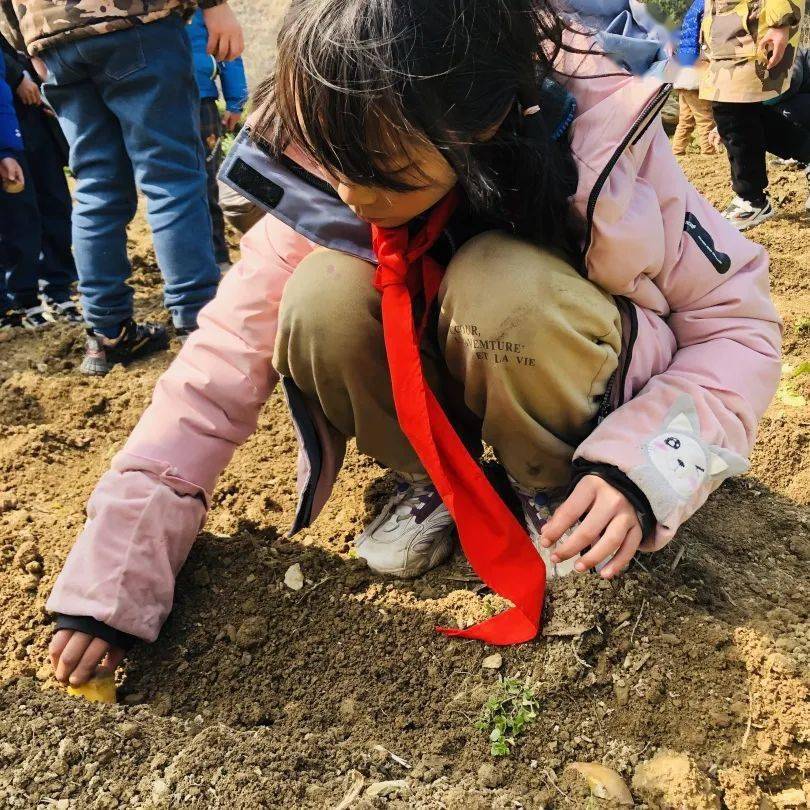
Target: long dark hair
[(356, 80)]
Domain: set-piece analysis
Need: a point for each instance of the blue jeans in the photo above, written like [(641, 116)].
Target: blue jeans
[(129, 106)]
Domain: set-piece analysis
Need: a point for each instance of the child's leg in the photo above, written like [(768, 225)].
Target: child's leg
[(105, 199), (743, 134), (534, 345), (330, 343), (686, 123), (704, 121), (57, 270), (20, 230), (531, 343), (146, 77)]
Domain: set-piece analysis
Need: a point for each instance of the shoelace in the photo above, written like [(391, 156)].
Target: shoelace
[(420, 496)]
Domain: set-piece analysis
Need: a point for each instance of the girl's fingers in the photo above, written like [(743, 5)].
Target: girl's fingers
[(587, 533), (567, 513), (213, 44), (71, 655), (92, 657), (624, 554), (611, 540), (58, 642)]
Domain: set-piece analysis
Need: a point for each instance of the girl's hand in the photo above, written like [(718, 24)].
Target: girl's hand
[(225, 38), (76, 657), (610, 526)]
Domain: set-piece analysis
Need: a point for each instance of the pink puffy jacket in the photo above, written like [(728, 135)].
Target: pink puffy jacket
[(699, 365)]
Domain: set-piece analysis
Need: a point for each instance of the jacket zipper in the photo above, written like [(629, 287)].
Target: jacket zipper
[(640, 125), (635, 133)]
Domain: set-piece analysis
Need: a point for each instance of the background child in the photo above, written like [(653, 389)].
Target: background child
[(694, 113), (36, 222), (11, 179), (231, 76), (120, 78), (750, 48), (598, 324)]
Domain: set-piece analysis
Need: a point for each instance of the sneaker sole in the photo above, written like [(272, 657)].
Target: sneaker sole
[(745, 226)]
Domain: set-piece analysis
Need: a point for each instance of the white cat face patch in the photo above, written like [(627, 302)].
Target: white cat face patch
[(679, 463)]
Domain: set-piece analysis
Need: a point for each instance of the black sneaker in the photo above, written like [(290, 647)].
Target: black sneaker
[(134, 341), (11, 319), (61, 311), (34, 319)]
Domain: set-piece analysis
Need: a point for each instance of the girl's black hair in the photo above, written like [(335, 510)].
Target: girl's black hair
[(357, 80)]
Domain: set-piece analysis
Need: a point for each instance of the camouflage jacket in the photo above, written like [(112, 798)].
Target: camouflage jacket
[(35, 25), (731, 33)]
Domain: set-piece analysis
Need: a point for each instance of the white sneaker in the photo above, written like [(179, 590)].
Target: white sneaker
[(412, 534), (536, 512), (743, 215)]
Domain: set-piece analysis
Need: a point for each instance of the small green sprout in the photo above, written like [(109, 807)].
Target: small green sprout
[(507, 713)]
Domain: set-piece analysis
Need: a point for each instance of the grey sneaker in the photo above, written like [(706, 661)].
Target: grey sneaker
[(537, 510), (412, 534), (744, 215)]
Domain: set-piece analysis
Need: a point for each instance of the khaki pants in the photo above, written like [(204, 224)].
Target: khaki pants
[(694, 113), (519, 354)]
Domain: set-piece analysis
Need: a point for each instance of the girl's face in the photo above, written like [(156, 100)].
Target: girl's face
[(423, 167)]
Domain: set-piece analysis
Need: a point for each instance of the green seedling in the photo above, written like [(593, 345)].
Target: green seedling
[(506, 714)]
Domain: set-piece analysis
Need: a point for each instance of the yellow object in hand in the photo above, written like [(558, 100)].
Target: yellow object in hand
[(96, 690), (13, 186)]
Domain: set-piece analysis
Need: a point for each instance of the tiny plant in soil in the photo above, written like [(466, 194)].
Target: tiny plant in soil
[(507, 713)]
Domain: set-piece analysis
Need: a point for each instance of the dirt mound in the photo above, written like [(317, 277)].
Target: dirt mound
[(256, 695)]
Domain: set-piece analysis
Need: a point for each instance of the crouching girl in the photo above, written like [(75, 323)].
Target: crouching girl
[(478, 233)]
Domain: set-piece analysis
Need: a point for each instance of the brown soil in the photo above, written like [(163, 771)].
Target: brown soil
[(704, 650)]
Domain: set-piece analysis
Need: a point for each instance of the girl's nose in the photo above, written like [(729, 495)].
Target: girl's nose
[(356, 195)]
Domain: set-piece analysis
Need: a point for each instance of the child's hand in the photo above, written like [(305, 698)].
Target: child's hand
[(611, 526), (774, 44), (225, 38), (11, 175), (76, 657), (230, 120), (28, 91)]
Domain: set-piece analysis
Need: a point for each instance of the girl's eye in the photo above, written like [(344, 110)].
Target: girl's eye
[(672, 442), (699, 468)]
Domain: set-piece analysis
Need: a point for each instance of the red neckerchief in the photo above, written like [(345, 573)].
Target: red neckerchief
[(497, 546)]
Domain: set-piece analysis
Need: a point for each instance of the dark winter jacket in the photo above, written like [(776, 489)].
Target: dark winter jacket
[(11, 144), (31, 117)]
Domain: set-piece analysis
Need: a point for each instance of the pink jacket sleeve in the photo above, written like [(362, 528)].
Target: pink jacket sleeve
[(690, 420), (145, 513)]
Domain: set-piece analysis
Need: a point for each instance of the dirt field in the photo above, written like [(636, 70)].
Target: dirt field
[(258, 696)]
